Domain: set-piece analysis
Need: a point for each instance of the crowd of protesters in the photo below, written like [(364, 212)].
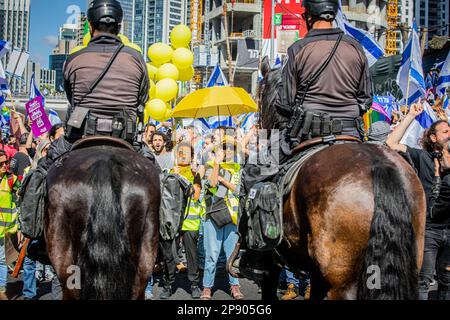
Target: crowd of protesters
[(212, 162)]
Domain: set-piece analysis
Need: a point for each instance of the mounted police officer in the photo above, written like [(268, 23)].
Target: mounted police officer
[(106, 82), (325, 89)]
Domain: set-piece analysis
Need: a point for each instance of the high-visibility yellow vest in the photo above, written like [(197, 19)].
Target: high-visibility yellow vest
[(195, 209), (8, 210), (231, 199)]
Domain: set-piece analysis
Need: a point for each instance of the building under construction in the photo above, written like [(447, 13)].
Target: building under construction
[(229, 34)]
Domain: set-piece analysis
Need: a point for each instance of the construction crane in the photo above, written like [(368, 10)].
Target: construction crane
[(196, 29), (392, 27)]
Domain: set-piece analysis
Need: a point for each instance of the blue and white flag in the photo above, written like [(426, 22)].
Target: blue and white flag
[(54, 117), (217, 78), (5, 47), (371, 47), (415, 131), (220, 121), (410, 75), (278, 63), (34, 90), (444, 77), (3, 81), (2, 100), (247, 121)]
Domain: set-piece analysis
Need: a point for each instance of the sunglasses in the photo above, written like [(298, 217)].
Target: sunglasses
[(4, 163), (228, 147)]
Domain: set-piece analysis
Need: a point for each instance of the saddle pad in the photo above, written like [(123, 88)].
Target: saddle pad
[(101, 141)]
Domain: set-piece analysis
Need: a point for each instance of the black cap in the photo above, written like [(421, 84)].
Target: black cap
[(108, 11), (326, 9)]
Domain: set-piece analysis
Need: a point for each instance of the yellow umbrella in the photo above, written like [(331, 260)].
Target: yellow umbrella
[(215, 101)]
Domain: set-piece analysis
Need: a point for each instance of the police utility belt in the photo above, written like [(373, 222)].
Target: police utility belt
[(115, 123)]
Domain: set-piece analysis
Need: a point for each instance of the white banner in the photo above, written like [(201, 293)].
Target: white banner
[(17, 63)]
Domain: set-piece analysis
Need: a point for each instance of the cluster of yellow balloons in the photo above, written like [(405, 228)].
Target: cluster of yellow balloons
[(168, 64)]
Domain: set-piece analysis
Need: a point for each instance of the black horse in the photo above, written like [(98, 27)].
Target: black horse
[(101, 224)]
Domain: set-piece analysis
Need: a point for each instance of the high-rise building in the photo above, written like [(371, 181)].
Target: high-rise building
[(127, 22), (15, 27), (433, 15), (154, 19), (67, 40)]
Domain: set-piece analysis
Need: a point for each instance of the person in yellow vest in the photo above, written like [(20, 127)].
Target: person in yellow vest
[(190, 227), (8, 215), (222, 202), (195, 211)]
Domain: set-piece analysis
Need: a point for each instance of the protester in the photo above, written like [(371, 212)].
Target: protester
[(56, 132), (164, 158), (21, 161), (8, 215), (148, 133), (220, 228), (434, 141)]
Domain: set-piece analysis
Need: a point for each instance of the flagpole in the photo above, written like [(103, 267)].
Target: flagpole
[(409, 69)]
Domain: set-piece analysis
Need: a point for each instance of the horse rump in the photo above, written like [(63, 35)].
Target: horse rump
[(106, 276), (389, 269)]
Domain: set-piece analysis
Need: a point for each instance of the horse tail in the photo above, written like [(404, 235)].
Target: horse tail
[(389, 270), (107, 272)]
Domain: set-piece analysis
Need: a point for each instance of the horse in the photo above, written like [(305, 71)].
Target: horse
[(354, 218), (101, 223)]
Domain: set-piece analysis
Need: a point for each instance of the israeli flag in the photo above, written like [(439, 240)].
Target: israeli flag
[(217, 78), (410, 75), (5, 47), (220, 121), (247, 121), (415, 131), (371, 47), (444, 77), (3, 81), (277, 63), (34, 91), (2, 100), (54, 117)]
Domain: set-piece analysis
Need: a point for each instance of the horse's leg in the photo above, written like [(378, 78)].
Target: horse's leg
[(319, 288), (271, 278)]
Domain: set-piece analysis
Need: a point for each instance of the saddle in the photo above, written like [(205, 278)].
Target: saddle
[(95, 141), (263, 202)]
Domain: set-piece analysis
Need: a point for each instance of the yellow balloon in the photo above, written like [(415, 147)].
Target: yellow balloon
[(156, 109), (124, 39), (160, 53), (183, 58), (181, 36), (152, 90), (152, 71), (168, 70), (86, 39), (186, 74), (166, 89), (168, 114), (76, 49), (134, 46)]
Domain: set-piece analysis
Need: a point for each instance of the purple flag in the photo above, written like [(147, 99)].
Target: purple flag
[(40, 123)]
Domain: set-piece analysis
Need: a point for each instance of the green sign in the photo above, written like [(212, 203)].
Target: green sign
[(278, 19)]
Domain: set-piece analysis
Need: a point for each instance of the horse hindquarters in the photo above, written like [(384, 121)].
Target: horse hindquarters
[(389, 270), (107, 274)]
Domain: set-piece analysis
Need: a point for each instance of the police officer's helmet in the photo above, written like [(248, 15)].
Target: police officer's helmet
[(325, 9), (107, 11)]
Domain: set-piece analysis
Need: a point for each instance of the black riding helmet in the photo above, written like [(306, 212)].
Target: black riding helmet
[(107, 11), (324, 9)]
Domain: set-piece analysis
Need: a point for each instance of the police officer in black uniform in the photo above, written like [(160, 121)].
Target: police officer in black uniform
[(107, 82)]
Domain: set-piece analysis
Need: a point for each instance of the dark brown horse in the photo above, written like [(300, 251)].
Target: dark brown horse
[(355, 219), (101, 225)]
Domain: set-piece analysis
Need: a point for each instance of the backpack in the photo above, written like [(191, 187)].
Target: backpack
[(175, 192), (263, 210), (33, 194)]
